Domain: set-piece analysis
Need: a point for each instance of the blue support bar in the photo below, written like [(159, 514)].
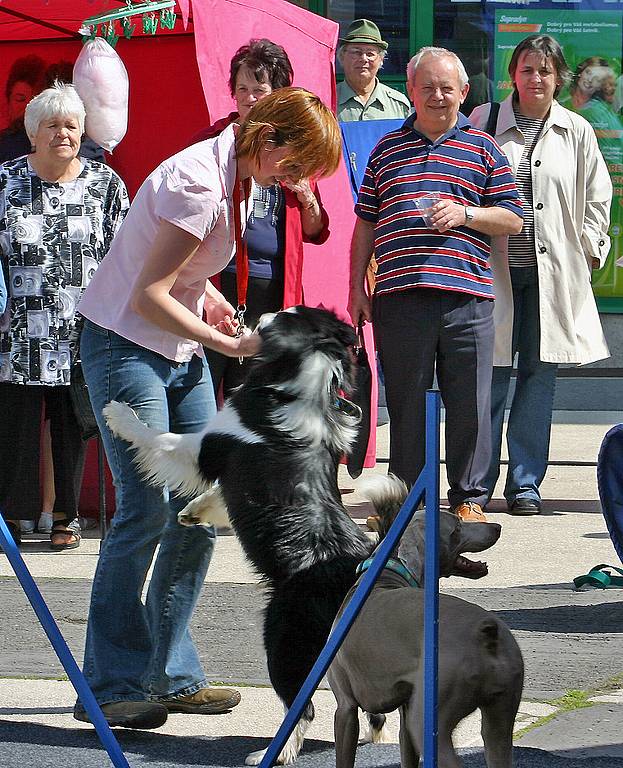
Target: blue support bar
[(431, 580), (427, 485), (109, 742)]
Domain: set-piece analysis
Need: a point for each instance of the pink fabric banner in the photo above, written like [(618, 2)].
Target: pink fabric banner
[(221, 27)]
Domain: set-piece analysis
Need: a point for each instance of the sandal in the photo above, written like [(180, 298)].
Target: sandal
[(71, 532), (600, 578)]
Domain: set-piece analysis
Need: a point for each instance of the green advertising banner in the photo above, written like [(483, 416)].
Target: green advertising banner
[(591, 41)]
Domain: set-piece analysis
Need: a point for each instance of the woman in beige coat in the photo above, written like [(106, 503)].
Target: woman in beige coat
[(545, 311)]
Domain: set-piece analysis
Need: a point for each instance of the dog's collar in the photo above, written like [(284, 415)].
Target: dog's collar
[(392, 565)]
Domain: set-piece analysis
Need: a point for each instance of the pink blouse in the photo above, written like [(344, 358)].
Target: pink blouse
[(193, 191)]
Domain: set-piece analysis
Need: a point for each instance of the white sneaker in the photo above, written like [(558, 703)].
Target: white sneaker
[(27, 526), (45, 523)]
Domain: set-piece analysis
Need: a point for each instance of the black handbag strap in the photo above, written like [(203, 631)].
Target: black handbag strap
[(492, 120), (360, 341), (492, 125)]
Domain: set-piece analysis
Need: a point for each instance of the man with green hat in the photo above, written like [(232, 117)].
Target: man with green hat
[(361, 96)]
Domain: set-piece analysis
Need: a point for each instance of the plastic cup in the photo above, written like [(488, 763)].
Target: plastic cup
[(424, 206)]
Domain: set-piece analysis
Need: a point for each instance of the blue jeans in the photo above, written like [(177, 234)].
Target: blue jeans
[(139, 650), (530, 417)]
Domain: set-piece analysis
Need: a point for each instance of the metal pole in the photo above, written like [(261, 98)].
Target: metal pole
[(109, 742), (431, 580), (360, 595)]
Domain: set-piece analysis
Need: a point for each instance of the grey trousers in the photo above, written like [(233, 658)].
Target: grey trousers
[(420, 332)]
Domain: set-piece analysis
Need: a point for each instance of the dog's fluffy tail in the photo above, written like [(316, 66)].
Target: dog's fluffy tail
[(163, 458), (387, 494)]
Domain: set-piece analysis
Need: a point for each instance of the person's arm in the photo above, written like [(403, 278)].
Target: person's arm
[(594, 235), (151, 299), (311, 210), (218, 312), (494, 220), (500, 211), (361, 250), (115, 209)]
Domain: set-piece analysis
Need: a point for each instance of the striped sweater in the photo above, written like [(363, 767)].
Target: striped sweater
[(464, 165)]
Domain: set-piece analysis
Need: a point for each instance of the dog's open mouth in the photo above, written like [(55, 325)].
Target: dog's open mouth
[(469, 569)]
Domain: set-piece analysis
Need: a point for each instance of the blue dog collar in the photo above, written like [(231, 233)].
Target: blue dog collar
[(392, 565)]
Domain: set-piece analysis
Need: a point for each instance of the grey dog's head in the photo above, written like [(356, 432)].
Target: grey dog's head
[(388, 494)]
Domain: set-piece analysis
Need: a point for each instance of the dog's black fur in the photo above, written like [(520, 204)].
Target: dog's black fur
[(282, 495), (274, 451)]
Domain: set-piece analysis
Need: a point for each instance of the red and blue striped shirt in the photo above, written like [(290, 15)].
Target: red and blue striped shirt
[(465, 166)]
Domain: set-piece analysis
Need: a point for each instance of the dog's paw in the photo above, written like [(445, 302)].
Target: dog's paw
[(375, 730), (289, 753), (207, 509), (186, 517), (117, 415), (255, 758), (383, 736)]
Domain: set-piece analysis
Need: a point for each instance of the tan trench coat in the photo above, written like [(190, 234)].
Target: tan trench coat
[(572, 192)]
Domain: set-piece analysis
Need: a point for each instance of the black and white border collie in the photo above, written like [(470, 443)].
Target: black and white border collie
[(269, 461)]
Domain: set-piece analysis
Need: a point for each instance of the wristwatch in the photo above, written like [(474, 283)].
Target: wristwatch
[(469, 214)]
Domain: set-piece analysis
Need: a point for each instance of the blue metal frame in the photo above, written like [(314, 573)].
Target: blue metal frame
[(426, 486), (109, 742)]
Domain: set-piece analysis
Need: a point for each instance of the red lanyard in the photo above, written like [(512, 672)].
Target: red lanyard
[(242, 191)]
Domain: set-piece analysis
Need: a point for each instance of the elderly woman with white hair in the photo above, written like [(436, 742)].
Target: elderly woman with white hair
[(58, 215)]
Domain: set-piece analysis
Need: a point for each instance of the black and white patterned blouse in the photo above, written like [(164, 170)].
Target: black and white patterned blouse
[(52, 237)]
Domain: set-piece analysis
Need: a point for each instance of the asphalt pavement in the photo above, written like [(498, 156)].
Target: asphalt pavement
[(571, 714)]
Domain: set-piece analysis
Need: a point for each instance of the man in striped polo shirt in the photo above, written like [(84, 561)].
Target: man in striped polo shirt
[(433, 304)]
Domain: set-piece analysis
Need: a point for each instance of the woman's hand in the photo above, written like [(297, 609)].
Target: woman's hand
[(303, 192), (247, 344), (228, 325), (311, 213), (219, 313)]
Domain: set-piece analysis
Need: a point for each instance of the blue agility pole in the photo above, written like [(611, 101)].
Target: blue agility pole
[(427, 485), (109, 742), (431, 580)]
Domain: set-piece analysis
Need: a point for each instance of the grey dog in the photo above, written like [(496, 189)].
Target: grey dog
[(380, 664)]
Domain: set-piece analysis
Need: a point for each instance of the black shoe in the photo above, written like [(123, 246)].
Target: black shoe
[(525, 506), (128, 714)]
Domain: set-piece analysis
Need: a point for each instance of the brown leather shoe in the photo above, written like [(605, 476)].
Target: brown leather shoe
[(206, 701), (470, 512)]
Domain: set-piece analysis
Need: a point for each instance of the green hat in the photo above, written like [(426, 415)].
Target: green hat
[(363, 31)]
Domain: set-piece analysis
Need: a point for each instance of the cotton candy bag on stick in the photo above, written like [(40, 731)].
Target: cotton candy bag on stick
[(102, 83)]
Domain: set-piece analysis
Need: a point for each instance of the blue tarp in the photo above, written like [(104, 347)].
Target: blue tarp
[(359, 139)]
